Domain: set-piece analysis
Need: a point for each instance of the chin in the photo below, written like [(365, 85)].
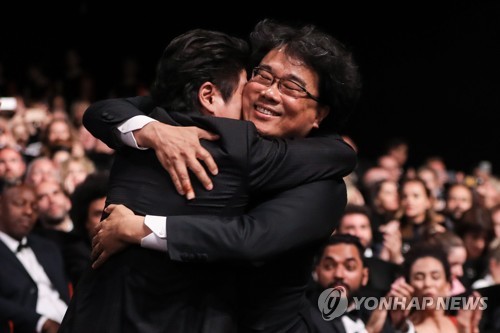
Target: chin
[(263, 130)]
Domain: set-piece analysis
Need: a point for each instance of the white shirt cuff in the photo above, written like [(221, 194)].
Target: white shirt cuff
[(40, 323), (157, 240), (128, 126)]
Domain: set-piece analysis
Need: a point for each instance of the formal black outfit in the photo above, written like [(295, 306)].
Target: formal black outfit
[(18, 291), (144, 290), (352, 321), (76, 252)]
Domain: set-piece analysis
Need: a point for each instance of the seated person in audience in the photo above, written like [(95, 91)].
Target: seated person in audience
[(476, 235), (493, 275), (356, 222), (340, 265), (12, 166), (427, 274), (54, 223), (418, 216), (33, 286), (456, 255), (87, 203)]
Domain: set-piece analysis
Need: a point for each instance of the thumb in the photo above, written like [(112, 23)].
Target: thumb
[(110, 208), (202, 134)]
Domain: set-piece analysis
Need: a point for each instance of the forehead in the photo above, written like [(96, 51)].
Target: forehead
[(355, 218), (414, 186), (9, 153), (286, 66), (15, 193), (342, 252), (427, 264), (388, 186), (460, 191), (48, 187)]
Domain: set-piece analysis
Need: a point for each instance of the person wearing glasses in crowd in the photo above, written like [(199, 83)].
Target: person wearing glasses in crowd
[(267, 252)]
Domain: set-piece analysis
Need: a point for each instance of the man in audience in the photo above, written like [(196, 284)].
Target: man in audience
[(12, 166), (340, 264), (54, 223), (33, 287)]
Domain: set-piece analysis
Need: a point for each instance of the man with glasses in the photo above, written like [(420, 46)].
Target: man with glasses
[(264, 295), (286, 86)]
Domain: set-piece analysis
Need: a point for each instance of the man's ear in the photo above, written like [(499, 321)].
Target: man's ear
[(364, 276), (321, 114), (209, 97)]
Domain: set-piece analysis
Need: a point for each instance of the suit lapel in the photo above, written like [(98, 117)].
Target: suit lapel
[(46, 260), (41, 255), (6, 253), (338, 325)]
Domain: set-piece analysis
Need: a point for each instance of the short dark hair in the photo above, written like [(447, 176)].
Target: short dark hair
[(95, 186), (426, 251), (193, 58), (336, 239), (339, 78), (357, 209)]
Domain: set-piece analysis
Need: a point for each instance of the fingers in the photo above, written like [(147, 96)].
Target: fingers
[(99, 261), (181, 179), (203, 155), (96, 247), (175, 179), (98, 255), (202, 134), (200, 173), (180, 172), (110, 208), (96, 229)]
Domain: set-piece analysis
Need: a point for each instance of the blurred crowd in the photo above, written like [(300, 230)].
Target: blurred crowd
[(392, 207)]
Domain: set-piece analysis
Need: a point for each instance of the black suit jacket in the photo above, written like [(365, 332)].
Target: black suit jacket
[(160, 294), (76, 253), (18, 291)]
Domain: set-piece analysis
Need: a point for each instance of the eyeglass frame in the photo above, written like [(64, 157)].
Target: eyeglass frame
[(279, 79)]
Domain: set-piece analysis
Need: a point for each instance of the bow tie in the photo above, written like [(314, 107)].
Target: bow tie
[(354, 314), (22, 246)]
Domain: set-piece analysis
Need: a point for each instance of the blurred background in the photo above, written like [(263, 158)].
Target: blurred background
[(430, 70)]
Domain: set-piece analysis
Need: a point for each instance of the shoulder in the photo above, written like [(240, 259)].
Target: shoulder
[(37, 242), (227, 127)]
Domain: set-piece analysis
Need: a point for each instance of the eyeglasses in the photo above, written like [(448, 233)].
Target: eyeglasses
[(285, 86)]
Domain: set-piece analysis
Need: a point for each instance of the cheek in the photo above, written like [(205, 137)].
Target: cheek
[(324, 277), (417, 285)]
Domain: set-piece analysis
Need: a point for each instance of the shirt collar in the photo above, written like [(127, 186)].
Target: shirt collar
[(11, 243)]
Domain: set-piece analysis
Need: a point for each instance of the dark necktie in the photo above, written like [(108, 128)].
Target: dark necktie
[(22, 246)]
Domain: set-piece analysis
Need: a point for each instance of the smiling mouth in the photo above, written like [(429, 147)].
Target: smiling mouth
[(266, 112)]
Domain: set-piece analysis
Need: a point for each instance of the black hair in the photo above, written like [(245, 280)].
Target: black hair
[(196, 57), (336, 239), (95, 186), (426, 251), (339, 78)]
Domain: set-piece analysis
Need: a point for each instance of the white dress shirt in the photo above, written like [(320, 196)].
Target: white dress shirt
[(48, 304)]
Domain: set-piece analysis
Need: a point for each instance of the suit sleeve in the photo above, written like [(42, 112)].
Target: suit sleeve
[(288, 220), (278, 164), (24, 320), (102, 118)]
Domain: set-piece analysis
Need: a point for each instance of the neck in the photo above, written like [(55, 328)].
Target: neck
[(65, 225)]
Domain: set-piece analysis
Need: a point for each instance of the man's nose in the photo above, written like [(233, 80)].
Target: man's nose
[(339, 274), (272, 92)]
